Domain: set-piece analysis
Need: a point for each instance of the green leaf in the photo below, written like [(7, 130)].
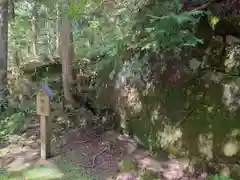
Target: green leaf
[(177, 5)]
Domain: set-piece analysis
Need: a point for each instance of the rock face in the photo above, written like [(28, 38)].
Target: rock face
[(164, 106)]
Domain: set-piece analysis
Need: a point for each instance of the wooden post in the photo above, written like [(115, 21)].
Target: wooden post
[(43, 109), (46, 133)]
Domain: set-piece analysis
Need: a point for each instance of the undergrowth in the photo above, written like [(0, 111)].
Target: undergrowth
[(219, 177), (14, 120)]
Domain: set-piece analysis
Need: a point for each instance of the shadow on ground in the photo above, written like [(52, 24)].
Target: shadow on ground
[(88, 157), (47, 170)]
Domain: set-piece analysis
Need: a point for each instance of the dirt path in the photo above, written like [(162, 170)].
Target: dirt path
[(87, 154)]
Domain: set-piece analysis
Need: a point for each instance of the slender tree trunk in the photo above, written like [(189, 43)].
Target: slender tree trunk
[(57, 29), (35, 29), (12, 10), (3, 48), (49, 37), (67, 56)]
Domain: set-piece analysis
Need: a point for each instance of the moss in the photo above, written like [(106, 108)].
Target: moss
[(148, 175), (127, 164), (204, 122), (193, 118)]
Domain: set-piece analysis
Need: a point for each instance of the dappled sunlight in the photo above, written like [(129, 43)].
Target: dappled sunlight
[(186, 121), (126, 176), (149, 87), (155, 115), (169, 135), (32, 63), (123, 117), (205, 145), (20, 158), (230, 95), (173, 171), (122, 113), (47, 172), (21, 151), (233, 56), (151, 164), (62, 119), (131, 146), (235, 133), (34, 172), (215, 77), (132, 98), (231, 62), (210, 109), (231, 148), (23, 162), (149, 69), (123, 75)]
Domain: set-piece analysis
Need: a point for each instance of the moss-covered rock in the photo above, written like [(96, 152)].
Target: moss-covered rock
[(178, 112)]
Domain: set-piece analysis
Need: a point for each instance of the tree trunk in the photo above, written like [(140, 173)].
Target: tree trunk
[(57, 30), (35, 29), (3, 48), (49, 35), (67, 56)]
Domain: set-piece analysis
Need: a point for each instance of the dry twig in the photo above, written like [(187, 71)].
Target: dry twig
[(94, 159), (82, 142), (200, 8), (96, 155)]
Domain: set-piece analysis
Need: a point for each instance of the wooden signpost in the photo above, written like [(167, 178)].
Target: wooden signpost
[(43, 110)]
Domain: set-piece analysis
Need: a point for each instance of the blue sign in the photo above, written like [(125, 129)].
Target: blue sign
[(47, 90)]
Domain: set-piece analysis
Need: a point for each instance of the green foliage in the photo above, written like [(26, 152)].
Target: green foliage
[(3, 106), (213, 20), (106, 36), (219, 177), (149, 175), (171, 32), (15, 120), (127, 164), (21, 29), (107, 33), (18, 36)]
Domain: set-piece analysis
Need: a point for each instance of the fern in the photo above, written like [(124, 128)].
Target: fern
[(171, 31), (15, 120)]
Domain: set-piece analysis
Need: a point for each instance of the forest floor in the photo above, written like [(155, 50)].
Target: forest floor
[(80, 155)]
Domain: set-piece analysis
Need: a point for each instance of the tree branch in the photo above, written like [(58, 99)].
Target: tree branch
[(202, 6)]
